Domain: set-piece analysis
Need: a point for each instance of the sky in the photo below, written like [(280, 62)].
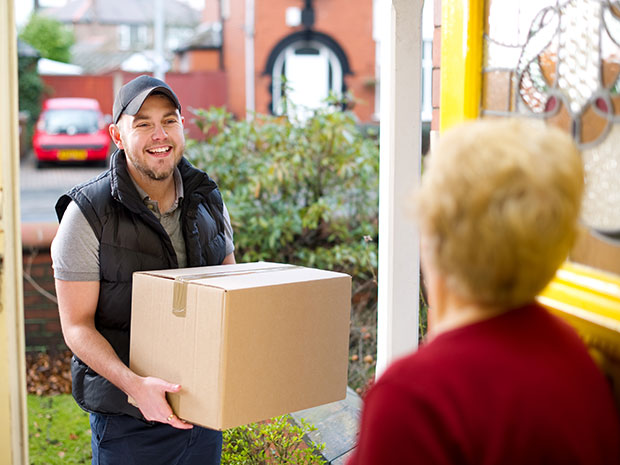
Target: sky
[(24, 7)]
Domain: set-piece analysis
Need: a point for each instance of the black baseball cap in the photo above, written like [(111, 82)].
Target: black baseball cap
[(133, 94)]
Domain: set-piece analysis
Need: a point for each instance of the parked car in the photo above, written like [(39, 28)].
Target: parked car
[(71, 130)]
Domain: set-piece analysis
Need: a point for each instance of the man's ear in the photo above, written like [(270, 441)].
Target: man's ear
[(115, 135)]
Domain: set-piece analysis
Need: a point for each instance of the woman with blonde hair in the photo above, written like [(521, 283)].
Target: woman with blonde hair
[(499, 380)]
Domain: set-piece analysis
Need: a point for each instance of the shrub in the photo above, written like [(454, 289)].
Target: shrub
[(300, 193), (30, 88), (50, 37), (278, 441), (52, 40)]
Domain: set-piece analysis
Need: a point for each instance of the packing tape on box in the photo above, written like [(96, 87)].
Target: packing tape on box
[(179, 292)]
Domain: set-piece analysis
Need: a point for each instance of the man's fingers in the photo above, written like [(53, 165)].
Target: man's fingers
[(176, 422), (153, 405), (172, 387)]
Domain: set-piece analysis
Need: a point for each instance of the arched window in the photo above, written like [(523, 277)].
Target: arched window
[(313, 66)]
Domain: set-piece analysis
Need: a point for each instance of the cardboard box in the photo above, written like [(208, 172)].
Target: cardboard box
[(247, 342)]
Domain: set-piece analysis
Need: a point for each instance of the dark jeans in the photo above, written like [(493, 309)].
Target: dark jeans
[(123, 440)]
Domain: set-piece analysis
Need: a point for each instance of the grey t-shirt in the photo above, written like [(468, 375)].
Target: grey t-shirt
[(75, 249)]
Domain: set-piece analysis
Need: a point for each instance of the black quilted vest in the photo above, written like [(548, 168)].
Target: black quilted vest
[(132, 239)]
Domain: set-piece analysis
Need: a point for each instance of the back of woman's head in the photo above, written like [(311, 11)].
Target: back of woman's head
[(498, 207)]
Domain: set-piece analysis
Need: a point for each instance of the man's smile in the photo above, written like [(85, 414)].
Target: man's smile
[(160, 151)]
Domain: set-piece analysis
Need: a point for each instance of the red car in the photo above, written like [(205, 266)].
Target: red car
[(69, 130)]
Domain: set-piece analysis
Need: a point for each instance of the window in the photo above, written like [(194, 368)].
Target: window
[(124, 37), (559, 63), (141, 39)]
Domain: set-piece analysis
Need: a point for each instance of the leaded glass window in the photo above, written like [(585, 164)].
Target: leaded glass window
[(558, 61)]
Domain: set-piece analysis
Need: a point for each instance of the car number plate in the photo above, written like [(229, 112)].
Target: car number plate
[(72, 154)]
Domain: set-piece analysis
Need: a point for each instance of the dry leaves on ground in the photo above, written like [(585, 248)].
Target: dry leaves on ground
[(48, 374)]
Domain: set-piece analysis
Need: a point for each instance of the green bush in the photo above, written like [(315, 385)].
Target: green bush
[(300, 193), (278, 441), (52, 40), (30, 89), (50, 37)]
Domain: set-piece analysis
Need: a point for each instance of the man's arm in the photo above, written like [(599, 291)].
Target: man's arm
[(228, 235), (77, 303)]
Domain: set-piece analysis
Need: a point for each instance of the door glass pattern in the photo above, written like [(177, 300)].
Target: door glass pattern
[(558, 61)]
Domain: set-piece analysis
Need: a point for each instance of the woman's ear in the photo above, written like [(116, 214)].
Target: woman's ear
[(115, 135), (434, 282)]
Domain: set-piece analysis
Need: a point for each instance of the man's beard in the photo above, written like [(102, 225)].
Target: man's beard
[(150, 172)]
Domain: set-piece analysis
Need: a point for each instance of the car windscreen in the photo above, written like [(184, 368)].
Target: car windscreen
[(71, 121)]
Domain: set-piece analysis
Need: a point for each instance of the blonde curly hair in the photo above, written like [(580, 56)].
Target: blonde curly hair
[(498, 206)]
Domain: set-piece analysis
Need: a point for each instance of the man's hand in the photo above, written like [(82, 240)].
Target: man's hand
[(77, 303), (150, 397)]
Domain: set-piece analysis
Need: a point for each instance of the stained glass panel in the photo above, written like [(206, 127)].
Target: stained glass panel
[(562, 61), (496, 90)]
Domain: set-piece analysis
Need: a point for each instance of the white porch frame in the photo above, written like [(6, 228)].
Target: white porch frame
[(400, 161), (13, 416)]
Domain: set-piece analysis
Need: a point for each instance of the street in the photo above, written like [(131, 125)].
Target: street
[(40, 188)]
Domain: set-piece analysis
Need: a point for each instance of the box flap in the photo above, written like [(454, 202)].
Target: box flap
[(207, 271), (237, 276)]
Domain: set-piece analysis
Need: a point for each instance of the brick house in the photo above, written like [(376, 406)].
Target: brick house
[(320, 46), (113, 33)]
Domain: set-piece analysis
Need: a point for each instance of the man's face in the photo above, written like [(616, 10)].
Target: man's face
[(153, 138)]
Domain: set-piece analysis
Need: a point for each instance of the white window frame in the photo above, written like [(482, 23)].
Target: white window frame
[(278, 68), (123, 34)]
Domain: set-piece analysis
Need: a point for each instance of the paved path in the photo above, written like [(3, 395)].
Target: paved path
[(40, 188)]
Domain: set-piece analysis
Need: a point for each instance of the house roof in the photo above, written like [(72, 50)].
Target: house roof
[(123, 12), (26, 50), (208, 36), (57, 68), (95, 61)]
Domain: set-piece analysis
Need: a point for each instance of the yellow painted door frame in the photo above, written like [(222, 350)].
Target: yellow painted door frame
[(13, 411), (461, 60)]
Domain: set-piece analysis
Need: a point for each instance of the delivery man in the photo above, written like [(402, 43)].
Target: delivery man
[(151, 210)]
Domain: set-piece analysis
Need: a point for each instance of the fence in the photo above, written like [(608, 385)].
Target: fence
[(41, 319), (200, 89)]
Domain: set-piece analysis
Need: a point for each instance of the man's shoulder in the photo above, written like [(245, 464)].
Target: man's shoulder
[(94, 192), (85, 193), (96, 184), (194, 178)]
